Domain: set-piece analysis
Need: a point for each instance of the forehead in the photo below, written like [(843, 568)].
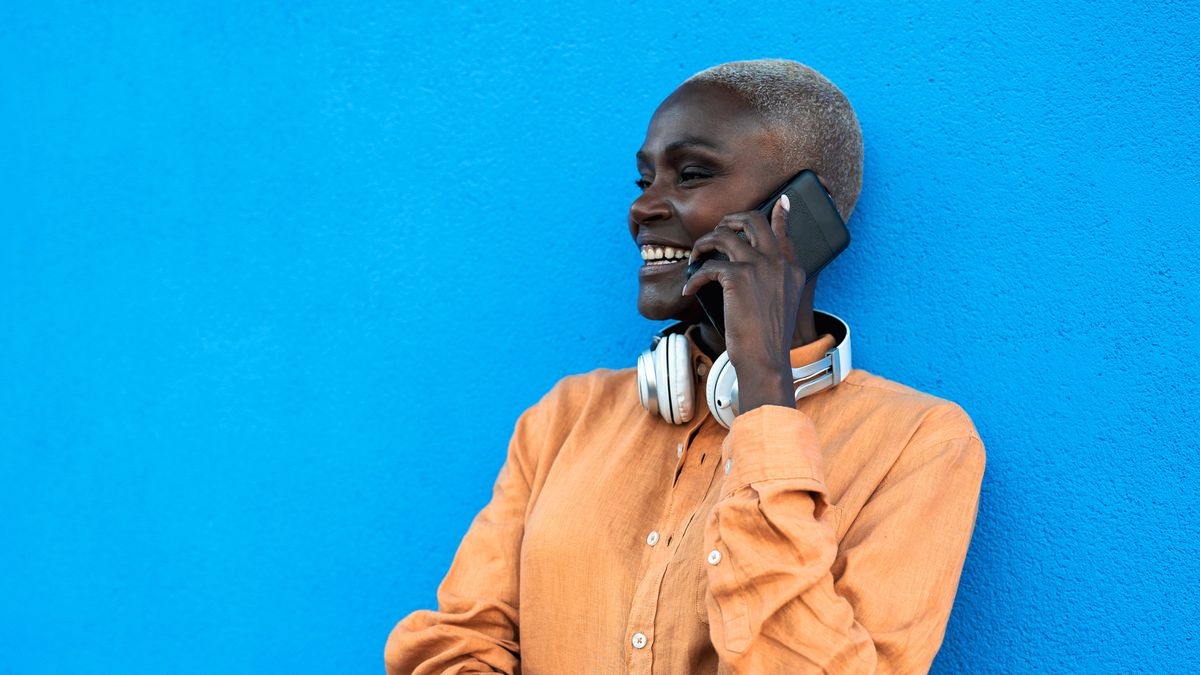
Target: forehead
[(710, 115)]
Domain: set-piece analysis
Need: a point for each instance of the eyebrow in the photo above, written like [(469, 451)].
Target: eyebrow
[(686, 142)]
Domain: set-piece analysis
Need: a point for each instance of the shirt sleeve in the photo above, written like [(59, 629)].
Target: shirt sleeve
[(475, 628), (785, 597)]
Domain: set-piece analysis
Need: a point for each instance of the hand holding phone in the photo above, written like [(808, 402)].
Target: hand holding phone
[(814, 227)]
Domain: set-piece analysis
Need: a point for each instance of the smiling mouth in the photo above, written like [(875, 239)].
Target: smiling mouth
[(663, 255)]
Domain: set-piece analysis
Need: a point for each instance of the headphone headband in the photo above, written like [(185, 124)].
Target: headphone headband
[(830, 369)]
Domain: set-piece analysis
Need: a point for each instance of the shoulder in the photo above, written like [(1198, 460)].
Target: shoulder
[(601, 381), (929, 421), (592, 396), (573, 394), (582, 404)]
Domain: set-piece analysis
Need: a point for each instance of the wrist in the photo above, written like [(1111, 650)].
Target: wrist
[(765, 386)]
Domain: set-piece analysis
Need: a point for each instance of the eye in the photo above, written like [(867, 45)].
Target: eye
[(691, 174), (642, 183)]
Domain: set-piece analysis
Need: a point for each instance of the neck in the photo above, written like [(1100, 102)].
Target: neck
[(805, 332)]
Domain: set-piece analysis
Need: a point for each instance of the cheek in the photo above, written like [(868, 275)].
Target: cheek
[(699, 220)]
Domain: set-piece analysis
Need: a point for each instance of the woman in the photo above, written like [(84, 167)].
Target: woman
[(822, 531)]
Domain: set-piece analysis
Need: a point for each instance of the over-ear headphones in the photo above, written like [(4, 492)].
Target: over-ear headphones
[(665, 381)]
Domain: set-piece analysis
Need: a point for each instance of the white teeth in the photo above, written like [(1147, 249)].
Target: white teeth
[(659, 255)]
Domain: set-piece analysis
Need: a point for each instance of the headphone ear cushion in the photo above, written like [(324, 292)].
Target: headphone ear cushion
[(673, 374), (721, 390), (683, 381)]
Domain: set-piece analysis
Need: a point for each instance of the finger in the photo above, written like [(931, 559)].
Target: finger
[(725, 240), (779, 226), (719, 271), (737, 223), (756, 227)]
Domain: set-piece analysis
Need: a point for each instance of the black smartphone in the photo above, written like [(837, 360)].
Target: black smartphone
[(816, 230)]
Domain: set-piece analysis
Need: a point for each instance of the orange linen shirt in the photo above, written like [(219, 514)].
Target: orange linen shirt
[(825, 538)]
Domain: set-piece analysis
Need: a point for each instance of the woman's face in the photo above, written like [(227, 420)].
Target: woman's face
[(707, 154)]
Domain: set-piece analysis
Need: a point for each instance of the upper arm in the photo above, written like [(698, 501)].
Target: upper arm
[(900, 559)]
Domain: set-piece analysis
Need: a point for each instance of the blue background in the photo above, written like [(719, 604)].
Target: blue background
[(276, 280)]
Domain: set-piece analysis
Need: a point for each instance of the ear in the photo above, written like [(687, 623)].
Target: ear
[(822, 182), (844, 216)]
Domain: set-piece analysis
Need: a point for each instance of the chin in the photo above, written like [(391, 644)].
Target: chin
[(679, 308), (653, 312)]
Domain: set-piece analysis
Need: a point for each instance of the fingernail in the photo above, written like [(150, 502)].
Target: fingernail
[(787, 203)]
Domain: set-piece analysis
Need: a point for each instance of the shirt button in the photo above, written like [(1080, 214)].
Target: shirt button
[(652, 538), (728, 465), (679, 450), (714, 557), (639, 640)]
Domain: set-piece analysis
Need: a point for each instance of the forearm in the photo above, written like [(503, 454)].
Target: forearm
[(475, 627), (462, 637)]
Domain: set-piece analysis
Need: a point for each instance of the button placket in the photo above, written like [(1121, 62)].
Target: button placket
[(679, 464), (689, 437), (686, 494), (644, 611)]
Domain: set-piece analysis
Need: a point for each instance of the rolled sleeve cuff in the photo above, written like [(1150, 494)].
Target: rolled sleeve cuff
[(772, 442)]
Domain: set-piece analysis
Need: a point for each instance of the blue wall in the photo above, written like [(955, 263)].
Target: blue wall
[(276, 280)]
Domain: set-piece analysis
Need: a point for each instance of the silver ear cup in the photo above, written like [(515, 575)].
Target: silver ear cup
[(672, 372), (681, 384), (721, 390), (647, 391), (665, 385)]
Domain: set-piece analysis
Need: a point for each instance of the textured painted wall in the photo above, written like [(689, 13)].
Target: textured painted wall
[(276, 280)]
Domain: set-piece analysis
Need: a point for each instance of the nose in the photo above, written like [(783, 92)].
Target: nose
[(648, 207)]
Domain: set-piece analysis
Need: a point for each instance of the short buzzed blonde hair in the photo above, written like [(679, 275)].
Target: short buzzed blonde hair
[(816, 126)]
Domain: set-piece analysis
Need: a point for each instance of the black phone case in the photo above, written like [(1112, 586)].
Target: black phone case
[(816, 230)]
